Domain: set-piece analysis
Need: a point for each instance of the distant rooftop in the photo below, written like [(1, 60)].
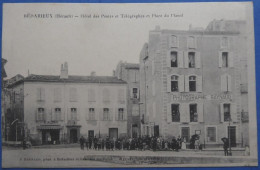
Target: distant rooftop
[(131, 66)]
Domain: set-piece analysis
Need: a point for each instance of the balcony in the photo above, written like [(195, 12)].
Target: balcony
[(243, 88)]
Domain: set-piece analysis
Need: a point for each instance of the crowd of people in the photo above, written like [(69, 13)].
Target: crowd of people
[(140, 143)]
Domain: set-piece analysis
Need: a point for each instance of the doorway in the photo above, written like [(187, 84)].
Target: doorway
[(113, 133), (232, 133), (185, 133), (73, 135), (156, 131), (50, 136)]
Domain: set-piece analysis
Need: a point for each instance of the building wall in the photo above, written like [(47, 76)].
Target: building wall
[(158, 98), (82, 104)]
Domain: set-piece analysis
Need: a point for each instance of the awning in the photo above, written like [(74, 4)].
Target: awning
[(43, 127)]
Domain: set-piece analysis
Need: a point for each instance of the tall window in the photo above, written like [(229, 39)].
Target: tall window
[(57, 114), (91, 114), (174, 59), (192, 83), (135, 93), (224, 59), (106, 95), (193, 113), (191, 56), (226, 112), (191, 42), (173, 41), (57, 94), (211, 134), (73, 94), (174, 83), (175, 113), (120, 114), (40, 94), (73, 112), (40, 114), (224, 42), (105, 114)]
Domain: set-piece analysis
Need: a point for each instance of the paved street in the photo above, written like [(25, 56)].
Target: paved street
[(73, 157)]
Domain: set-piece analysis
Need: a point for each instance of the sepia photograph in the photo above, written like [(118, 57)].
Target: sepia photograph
[(128, 85)]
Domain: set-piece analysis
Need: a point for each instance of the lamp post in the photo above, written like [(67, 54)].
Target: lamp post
[(229, 138)]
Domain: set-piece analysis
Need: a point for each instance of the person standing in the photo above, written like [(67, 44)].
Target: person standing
[(95, 142), (183, 145), (82, 141), (179, 141), (225, 145)]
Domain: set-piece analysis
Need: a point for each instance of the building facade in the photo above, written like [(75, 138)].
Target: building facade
[(195, 82), (59, 109), (129, 72)]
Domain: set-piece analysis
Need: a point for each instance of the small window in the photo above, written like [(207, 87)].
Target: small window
[(135, 93), (192, 83), (224, 42), (175, 113), (120, 114), (40, 114), (191, 56), (73, 113), (174, 41), (193, 113), (174, 59), (174, 83), (57, 114), (227, 115), (191, 42), (106, 114), (224, 59), (211, 134), (91, 114), (40, 94)]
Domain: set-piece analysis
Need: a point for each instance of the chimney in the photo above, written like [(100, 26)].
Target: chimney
[(64, 71), (93, 73)]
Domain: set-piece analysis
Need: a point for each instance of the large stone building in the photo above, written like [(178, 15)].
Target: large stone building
[(129, 72), (195, 82), (58, 109)]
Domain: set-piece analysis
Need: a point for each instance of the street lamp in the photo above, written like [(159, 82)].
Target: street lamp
[(229, 138)]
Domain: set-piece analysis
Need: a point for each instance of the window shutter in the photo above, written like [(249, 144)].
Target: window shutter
[(87, 114), (36, 115), (42, 94), (38, 93), (101, 114), (199, 83), (186, 83), (117, 113), (200, 112), (224, 82), (183, 112), (169, 113), (78, 114), (169, 83), (234, 112), (111, 113), (229, 83), (220, 59), (231, 59), (168, 59), (197, 60), (124, 114), (181, 83), (53, 114), (62, 114), (180, 59), (221, 112), (186, 60)]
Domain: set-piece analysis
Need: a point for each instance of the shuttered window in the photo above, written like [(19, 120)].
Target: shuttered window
[(191, 42), (40, 94), (73, 112), (175, 113), (106, 114), (173, 41), (193, 113), (92, 114)]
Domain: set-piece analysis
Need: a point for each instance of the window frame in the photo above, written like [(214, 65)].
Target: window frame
[(106, 116), (177, 115), (206, 134), (192, 81), (194, 59), (176, 82)]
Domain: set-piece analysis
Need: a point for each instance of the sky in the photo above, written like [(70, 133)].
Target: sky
[(41, 45)]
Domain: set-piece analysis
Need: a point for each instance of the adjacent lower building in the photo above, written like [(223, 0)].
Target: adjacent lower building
[(59, 109), (195, 82)]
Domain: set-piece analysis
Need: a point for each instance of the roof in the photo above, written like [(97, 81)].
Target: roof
[(74, 79), (131, 66)]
